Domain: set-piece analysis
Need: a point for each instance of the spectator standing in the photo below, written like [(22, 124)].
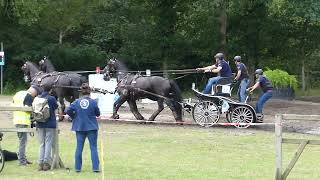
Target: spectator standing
[(83, 112)]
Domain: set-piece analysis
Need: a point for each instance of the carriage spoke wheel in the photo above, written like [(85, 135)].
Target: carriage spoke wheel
[(1, 160), (242, 114), (206, 113)]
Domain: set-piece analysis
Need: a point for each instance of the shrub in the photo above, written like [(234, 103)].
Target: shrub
[(281, 79)]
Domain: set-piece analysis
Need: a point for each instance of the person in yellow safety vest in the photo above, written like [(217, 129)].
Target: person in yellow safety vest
[(22, 119)]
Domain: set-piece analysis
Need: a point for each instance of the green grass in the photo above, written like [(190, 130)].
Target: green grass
[(133, 151)]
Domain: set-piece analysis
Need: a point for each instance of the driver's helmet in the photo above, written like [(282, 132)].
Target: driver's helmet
[(219, 56), (237, 58), (259, 71)]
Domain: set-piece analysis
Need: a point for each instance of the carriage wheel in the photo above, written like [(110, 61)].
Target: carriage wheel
[(242, 114), (1, 160), (206, 113)]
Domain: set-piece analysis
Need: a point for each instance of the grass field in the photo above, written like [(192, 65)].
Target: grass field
[(133, 151)]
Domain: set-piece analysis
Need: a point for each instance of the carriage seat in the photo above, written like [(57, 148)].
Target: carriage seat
[(222, 87)]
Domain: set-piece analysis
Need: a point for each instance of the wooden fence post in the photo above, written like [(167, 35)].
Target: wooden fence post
[(56, 160), (278, 144)]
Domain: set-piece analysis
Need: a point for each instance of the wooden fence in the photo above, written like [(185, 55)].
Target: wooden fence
[(280, 140), (56, 159)]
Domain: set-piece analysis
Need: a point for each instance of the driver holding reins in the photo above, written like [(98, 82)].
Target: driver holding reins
[(221, 67)]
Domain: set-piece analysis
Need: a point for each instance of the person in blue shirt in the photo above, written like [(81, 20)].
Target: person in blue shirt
[(243, 77), (46, 131), (265, 84), (83, 112), (221, 67)]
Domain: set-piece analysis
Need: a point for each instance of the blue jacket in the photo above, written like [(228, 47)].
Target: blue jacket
[(226, 70), (83, 112), (53, 105)]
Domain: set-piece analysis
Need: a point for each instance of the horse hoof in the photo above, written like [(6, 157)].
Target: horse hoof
[(115, 116), (179, 122)]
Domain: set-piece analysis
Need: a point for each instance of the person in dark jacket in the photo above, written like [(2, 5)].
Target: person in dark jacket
[(243, 77), (265, 84), (46, 132), (221, 67), (83, 112)]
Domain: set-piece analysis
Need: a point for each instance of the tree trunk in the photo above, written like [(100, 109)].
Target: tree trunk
[(303, 79), (61, 35), (223, 26), (165, 69)]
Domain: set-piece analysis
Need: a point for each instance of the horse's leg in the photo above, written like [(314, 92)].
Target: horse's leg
[(176, 115), (116, 106), (61, 108), (160, 108), (70, 99), (134, 110)]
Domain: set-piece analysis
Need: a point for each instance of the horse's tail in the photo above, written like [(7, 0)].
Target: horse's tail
[(175, 90), (177, 98)]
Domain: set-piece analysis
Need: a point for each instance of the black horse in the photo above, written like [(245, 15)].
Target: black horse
[(76, 79), (59, 82), (132, 87)]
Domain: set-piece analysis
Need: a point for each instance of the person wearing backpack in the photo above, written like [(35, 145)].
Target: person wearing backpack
[(46, 130), (83, 112)]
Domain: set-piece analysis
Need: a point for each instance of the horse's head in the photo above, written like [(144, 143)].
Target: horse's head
[(30, 70), (110, 70), (45, 65), (42, 64), (26, 72)]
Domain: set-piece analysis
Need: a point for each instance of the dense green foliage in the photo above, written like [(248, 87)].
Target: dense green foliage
[(163, 34), (281, 79)]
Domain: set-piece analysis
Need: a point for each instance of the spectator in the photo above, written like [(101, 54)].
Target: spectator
[(21, 119), (46, 131), (83, 112)]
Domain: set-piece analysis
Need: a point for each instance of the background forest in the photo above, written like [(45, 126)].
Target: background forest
[(162, 34)]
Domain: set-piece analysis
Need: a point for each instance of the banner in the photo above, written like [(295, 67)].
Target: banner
[(1, 58)]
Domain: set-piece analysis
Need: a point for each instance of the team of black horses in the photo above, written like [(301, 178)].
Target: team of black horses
[(63, 84), (131, 87)]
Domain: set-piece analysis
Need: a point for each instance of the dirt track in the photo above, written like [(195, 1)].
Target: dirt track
[(272, 107)]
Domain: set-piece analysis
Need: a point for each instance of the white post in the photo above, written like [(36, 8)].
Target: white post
[(148, 72), (278, 144), (1, 71)]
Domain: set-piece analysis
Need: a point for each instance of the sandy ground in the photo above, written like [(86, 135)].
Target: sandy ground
[(272, 108)]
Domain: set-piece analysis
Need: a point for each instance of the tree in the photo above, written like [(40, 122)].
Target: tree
[(302, 22)]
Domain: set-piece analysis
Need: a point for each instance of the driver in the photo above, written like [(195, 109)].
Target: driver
[(221, 67)]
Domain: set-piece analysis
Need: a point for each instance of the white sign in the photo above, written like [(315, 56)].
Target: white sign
[(105, 101)]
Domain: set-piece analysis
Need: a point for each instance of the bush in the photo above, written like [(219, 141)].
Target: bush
[(281, 79)]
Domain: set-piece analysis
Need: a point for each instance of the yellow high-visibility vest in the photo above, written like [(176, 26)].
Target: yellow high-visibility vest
[(20, 117)]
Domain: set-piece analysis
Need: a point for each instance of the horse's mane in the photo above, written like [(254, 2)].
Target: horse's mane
[(49, 65), (32, 64), (120, 66)]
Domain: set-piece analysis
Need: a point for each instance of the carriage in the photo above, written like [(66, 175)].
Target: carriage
[(209, 108)]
